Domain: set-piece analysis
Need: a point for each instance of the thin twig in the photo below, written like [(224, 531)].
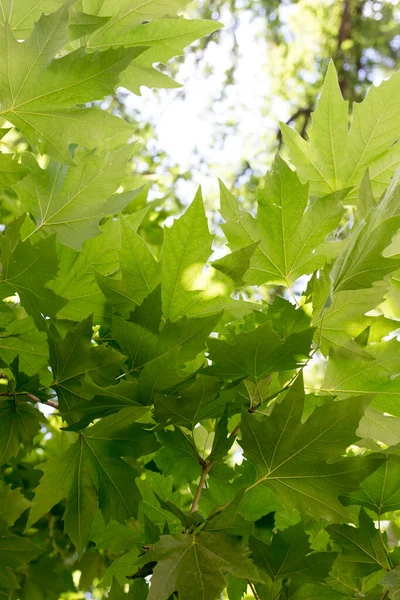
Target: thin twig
[(385, 594), (286, 387), (31, 397), (253, 589), (206, 469), (52, 403), (236, 430)]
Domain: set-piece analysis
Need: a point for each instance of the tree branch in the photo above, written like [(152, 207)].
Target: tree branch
[(306, 112), (206, 469), (253, 589), (31, 397), (385, 594), (52, 403)]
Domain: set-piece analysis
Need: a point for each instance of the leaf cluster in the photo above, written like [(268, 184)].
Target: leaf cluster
[(160, 414)]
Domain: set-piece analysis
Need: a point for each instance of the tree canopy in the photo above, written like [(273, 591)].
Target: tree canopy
[(176, 424)]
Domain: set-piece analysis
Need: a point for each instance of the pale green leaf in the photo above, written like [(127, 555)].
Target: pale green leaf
[(288, 235), (39, 94), (70, 201)]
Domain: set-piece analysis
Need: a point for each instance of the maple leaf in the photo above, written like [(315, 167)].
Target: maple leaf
[(288, 235), (380, 492), (295, 460), (162, 39), (193, 564), (15, 551), (21, 16), (91, 474), (76, 277), (282, 559), (140, 271), (80, 197), (362, 548), (258, 353), (21, 338), (334, 158), (74, 358), (19, 423), (27, 269), (346, 378), (40, 93), (361, 263)]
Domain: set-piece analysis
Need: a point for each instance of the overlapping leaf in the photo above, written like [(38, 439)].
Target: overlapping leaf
[(80, 196), (334, 158), (288, 235), (39, 93), (295, 460), (192, 564), (91, 474)]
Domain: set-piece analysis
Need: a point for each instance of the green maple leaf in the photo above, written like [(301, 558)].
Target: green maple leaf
[(11, 171), (127, 14), (27, 269), (345, 319), (193, 565), (158, 355), (290, 556), (178, 456), (22, 338), (71, 200), (13, 504), (21, 16), (199, 401), (74, 357), (162, 39), (139, 269), (76, 278), (362, 262), (81, 25), (295, 460), (363, 551), (152, 487), (392, 581), (104, 401), (113, 536), (15, 553), (334, 158), (258, 353), (381, 427), (19, 423), (345, 378), (91, 474), (380, 492), (188, 289), (39, 93), (187, 246), (289, 236)]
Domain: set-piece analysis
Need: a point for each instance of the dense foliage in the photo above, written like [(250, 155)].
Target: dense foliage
[(225, 427)]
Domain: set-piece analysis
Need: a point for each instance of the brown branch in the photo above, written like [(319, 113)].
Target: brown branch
[(253, 589), (31, 397), (206, 469), (52, 403), (385, 594), (306, 112)]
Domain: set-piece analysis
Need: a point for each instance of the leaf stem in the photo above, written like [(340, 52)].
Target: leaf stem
[(385, 594), (206, 469), (253, 589)]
